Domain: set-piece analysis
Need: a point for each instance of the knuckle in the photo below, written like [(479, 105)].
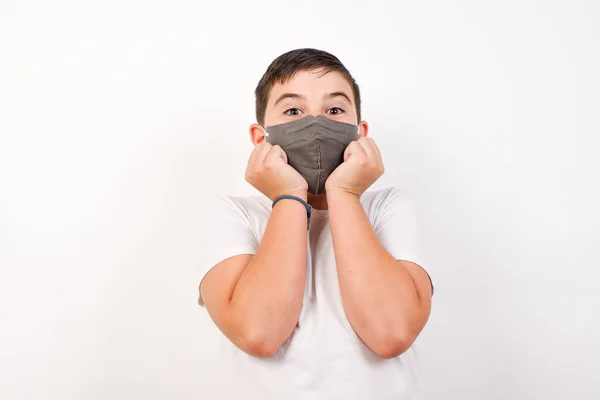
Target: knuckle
[(269, 163), (277, 150)]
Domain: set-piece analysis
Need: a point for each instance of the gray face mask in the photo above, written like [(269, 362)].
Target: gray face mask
[(314, 146)]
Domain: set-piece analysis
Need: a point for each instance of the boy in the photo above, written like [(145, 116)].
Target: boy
[(316, 284)]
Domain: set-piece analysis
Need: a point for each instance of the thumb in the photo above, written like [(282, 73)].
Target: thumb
[(278, 152), (348, 152)]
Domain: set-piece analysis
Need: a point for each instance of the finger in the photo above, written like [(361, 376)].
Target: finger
[(276, 152), (253, 154), (367, 146), (376, 148), (262, 151), (355, 150)]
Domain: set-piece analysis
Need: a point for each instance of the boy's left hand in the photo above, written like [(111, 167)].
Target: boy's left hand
[(362, 166)]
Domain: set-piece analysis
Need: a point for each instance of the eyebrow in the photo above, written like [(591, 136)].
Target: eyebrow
[(289, 96), (338, 94)]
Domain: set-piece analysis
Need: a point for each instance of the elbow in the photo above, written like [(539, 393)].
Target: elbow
[(390, 344), (258, 347), (257, 343)]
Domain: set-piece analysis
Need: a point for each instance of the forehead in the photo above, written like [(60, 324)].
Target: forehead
[(313, 83)]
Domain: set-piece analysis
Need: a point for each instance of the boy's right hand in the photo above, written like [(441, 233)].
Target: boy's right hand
[(269, 172)]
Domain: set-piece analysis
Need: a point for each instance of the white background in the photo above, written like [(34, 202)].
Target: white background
[(119, 120)]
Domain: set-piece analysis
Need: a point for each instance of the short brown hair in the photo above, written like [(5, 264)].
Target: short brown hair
[(288, 64)]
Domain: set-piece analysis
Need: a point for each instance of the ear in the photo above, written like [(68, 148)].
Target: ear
[(363, 129), (257, 134)]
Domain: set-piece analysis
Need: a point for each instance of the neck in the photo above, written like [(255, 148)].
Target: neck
[(318, 202)]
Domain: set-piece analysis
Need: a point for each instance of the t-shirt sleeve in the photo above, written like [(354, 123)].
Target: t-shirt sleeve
[(227, 233), (396, 226)]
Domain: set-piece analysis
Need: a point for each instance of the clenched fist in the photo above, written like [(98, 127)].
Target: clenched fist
[(362, 166), (269, 172)]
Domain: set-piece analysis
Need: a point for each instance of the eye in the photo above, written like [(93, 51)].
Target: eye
[(335, 111), (293, 112)]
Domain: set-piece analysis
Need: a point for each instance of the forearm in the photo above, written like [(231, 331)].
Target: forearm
[(381, 300), (267, 299)]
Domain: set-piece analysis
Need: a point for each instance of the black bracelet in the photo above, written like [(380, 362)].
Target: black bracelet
[(308, 208)]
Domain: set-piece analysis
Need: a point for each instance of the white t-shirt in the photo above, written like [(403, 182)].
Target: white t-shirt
[(323, 358)]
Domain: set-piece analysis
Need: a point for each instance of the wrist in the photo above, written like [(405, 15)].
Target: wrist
[(336, 193), (301, 193), (298, 200)]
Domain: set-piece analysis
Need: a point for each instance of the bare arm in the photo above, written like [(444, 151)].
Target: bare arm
[(256, 300), (387, 301)]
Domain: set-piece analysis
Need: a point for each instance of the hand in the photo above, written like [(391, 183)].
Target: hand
[(269, 172), (362, 166)]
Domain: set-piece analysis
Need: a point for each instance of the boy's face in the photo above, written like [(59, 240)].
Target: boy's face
[(310, 93)]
